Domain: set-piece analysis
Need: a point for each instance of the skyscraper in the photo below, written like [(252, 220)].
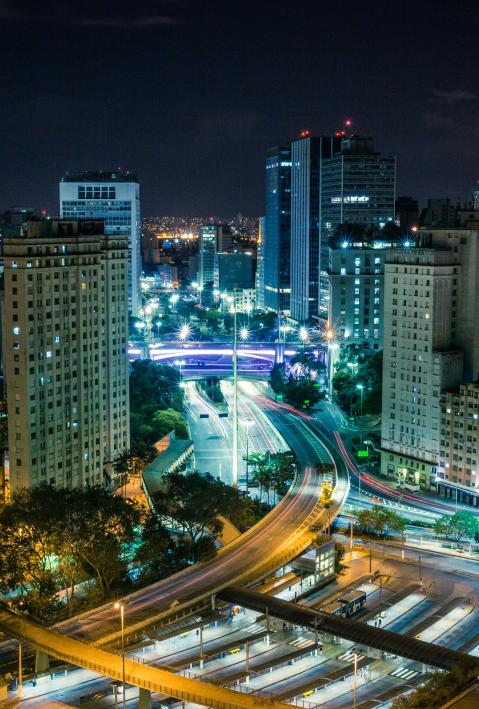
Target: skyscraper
[(66, 369), (421, 359), (358, 185), (277, 230), (259, 282), (115, 197), (213, 238), (307, 156)]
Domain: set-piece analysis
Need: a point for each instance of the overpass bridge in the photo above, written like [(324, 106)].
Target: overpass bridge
[(202, 353), (148, 679), (360, 633), (277, 539), (274, 541)]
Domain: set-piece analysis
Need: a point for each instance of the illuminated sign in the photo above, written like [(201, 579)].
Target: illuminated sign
[(351, 199)]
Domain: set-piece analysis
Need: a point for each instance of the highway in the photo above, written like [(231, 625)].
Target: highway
[(284, 533), (212, 437)]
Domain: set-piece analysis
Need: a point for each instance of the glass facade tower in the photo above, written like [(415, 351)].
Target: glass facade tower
[(277, 230)]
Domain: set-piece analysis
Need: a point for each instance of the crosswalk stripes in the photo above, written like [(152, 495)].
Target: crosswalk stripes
[(404, 673), (349, 657), (302, 642), (253, 629)]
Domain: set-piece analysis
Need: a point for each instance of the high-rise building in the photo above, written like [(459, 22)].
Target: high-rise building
[(233, 272), (213, 238), (115, 197), (356, 290), (66, 369), (309, 253), (407, 214), (259, 284), (358, 186), (421, 359), (277, 230), (458, 467), (305, 242)]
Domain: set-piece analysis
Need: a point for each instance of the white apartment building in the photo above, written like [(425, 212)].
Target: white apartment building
[(420, 360), (114, 197), (65, 340), (458, 468)]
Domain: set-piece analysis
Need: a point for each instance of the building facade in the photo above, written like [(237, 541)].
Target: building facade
[(276, 247), (66, 369), (233, 271), (212, 239), (305, 241), (420, 359), (114, 197), (458, 468), (259, 283), (356, 292), (358, 186)]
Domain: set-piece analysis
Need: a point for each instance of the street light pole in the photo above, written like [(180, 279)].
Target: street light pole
[(355, 679), (235, 395), (121, 607)]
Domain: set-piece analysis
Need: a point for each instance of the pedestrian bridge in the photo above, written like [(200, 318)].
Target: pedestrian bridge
[(148, 679), (365, 635)]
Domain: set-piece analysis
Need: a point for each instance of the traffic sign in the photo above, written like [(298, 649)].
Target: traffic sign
[(363, 454)]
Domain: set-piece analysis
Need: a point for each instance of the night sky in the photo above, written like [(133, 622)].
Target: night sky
[(191, 94)]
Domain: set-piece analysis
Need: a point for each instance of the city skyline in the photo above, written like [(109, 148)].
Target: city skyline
[(210, 112)]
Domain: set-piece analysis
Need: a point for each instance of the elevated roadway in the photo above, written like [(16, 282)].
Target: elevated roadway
[(360, 633), (109, 664), (274, 541), (278, 538)]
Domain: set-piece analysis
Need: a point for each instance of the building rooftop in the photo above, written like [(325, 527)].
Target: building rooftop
[(100, 176)]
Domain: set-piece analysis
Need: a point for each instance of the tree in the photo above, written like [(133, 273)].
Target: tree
[(302, 393), (158, 553), (51, 538), (277, 378), (380, 522), (326, 494), (460, 526), (194, 502), (169, 420), (154, 386)]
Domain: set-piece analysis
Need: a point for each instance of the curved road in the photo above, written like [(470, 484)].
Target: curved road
[(280, 536)]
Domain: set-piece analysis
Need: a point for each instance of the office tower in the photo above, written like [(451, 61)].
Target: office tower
[(305, 242), (276, 247), (259, 284), (309, 255), (439, 213), (358, 186), (420, 359), (458, 467), (407, 214), (66, 334), (213, 238), (233, 271), (462, 242), (356, 290), (114, 197)]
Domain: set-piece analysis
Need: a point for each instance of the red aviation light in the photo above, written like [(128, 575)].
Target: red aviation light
[(304, 134)]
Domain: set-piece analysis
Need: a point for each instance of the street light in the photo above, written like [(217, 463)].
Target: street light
[(244, 333), (332, 348), (184, 332), (121, 608), (361, 391), (247, 423), (233, 309), (249, 309)]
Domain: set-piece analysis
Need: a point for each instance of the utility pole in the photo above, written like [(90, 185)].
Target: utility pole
[(235, 394)]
